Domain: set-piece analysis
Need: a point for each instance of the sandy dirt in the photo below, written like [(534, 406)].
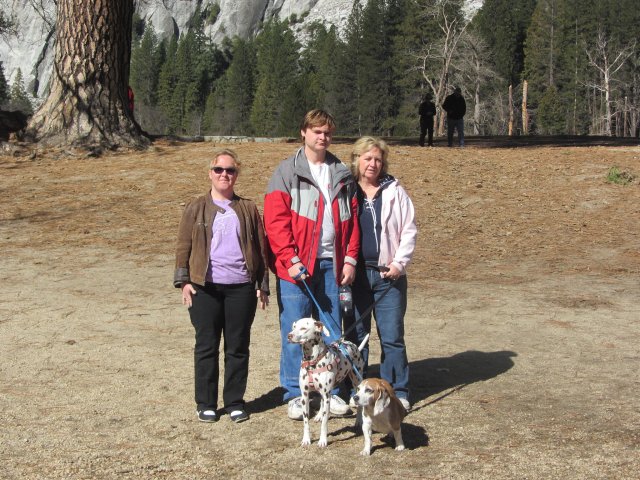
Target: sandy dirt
[(522, 329)]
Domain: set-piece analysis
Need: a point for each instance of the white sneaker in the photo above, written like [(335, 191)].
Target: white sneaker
[(294, 408), (405, 403), (338, 406)]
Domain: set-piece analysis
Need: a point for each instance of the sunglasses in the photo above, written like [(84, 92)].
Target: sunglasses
[(230, 170)]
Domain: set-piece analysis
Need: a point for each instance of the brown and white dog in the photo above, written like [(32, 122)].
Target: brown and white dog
[(323, 367), (381, 411)]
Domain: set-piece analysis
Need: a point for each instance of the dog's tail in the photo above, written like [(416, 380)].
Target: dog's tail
[(364, 342)]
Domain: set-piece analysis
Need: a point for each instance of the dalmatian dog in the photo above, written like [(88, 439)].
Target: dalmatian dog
[(323, 367)]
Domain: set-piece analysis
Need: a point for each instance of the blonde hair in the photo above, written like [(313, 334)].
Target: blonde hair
[(225, 151), (317, 118), (363, 145)]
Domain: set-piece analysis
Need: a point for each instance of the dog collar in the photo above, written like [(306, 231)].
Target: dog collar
[(310, 367), (309, 364)]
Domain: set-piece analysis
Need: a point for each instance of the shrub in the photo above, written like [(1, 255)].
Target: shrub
[(619, 177)]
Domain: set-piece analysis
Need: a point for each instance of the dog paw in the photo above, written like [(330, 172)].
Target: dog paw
[(365, 453), (305, 441), (322, 442), (399, 448)]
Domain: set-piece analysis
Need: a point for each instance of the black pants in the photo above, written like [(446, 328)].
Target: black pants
[(426, 126), (219, 310)]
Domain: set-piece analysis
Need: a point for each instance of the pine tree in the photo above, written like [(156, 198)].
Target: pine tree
[(145, 70), (412, 34), (167, 83), (7, 24), (240, 87), (320, 68), (137, 29), (276, 109), (503, 24), (348, 66), (374, 69), (185, 92), (228, 108), (4, 87), (19, 98), (214, 120), (542, 48), (551, 114), (367, 79)]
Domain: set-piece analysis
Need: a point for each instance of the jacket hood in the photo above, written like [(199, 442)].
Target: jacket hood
[(386, 180)]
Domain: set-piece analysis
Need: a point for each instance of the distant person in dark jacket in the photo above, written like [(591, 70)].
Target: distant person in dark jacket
[(426, 111), (456, 107)]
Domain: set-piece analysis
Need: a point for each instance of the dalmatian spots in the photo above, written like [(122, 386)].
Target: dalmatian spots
[(323, 367)]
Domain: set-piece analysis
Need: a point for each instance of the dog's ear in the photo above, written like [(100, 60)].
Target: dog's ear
[(382, 401), (321, 328)]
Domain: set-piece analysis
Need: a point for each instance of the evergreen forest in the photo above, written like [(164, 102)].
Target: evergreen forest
[(545, 67)]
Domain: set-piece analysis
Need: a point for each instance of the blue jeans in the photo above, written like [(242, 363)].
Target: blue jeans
[(455, 124), (295, 303), (389, 315)]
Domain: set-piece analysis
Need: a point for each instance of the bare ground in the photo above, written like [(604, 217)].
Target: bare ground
[(522, 328)]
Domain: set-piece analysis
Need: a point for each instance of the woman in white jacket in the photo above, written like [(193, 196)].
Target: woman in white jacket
[(388, 238)]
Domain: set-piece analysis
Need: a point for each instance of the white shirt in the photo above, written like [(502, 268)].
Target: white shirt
[(322, 176)]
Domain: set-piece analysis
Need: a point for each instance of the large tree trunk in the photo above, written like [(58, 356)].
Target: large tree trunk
[(87, 105)]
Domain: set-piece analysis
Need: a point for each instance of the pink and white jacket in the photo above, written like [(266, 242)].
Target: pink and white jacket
[(398, 236)]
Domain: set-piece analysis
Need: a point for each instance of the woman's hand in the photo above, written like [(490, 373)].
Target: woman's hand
[(187, 292), (392, 274), (263, 298)]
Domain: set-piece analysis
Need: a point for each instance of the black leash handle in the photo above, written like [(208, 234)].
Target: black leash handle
[(368, 310)]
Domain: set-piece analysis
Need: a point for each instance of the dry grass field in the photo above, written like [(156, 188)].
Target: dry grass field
[(522, 329)]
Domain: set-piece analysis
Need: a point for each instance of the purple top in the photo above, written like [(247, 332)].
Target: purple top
[(226, 262)]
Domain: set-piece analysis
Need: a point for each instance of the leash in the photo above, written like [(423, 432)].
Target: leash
[(369, 309), (304, 271), (359, 319), (339, 343)]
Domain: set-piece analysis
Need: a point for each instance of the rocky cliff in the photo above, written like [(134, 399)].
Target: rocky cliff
[(32, 51)]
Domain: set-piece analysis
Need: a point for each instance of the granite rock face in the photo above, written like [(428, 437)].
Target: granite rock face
[(33, 50)]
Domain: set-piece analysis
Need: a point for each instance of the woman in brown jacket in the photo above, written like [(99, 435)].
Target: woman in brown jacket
[(221, 268)]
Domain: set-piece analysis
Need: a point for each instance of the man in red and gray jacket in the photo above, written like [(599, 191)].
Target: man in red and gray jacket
[(310, 217)]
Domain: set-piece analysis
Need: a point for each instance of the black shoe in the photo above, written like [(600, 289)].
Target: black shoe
[(239, 416), (208, 416)]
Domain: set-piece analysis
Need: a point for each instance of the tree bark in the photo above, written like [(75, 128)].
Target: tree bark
[(87, 105), (525, 113), (625, 121), (510, 110)]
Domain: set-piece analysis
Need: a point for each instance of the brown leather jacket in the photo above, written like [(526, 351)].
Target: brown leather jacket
[(194, 241)]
